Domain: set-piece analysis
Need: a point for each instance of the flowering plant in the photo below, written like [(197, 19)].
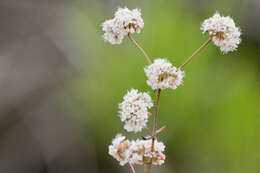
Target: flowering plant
[(161, 74)]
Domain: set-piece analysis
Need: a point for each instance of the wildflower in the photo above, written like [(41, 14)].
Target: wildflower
[(141, 152), (134, 110), (130, 20), (113, 34), (162, 75), (125, 22), (120, 149), (223, 31)]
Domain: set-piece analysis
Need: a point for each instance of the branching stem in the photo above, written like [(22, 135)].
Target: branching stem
[(149, 131), (195, 53), (149, 166), (140, 48)]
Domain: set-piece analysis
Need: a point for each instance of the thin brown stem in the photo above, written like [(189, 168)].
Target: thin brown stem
[(156, 113), (195, 53), (162, 129), (132, 167), (140, 48), (149, 131), (149, 166)]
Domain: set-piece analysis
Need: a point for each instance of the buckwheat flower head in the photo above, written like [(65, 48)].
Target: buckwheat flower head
[(223, 31), (120, 149), (142, 154), (125, 22), (134, 110), (130, 20), (113, 33), (162, 75)]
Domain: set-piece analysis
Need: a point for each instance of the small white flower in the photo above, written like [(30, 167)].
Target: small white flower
[(120, 149), (113, 34), (223, 31), (131, 20), (134, 110), (141, 152), (124, 22), (162, 75)]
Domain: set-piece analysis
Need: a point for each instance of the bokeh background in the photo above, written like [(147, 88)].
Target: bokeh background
[(60, 85)]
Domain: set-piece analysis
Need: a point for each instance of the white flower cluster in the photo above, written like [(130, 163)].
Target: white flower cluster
[(141, 152), (136, 152), (134, 110), (120, 149), (162, 75), (223, 31), (125, 21)]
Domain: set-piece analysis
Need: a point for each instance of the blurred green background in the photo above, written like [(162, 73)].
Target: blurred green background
[(213, 121), (60, 86)]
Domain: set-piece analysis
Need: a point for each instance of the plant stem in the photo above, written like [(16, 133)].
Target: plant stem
[(195, 53), (149, 131), (140, 48), (132, 167), (156, 113), (149, 166)]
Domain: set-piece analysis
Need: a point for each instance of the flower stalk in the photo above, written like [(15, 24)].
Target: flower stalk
[(149, 165), (156, 116), (195, 53), (132, 167), (140, 48)]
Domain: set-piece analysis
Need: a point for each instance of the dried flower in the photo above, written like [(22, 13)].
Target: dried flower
[(120, 149), (124, 22), (134, 110), (141, 152), (162, 75), (223, 31)]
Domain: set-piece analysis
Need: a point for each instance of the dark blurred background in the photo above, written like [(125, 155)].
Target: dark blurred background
[(60, 85)]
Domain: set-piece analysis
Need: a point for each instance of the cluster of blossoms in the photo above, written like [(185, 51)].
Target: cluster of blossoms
[(141, 152), (136, 152), (125, 22), (120, 149), (162, 75), (134, 110), (223, 31)]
